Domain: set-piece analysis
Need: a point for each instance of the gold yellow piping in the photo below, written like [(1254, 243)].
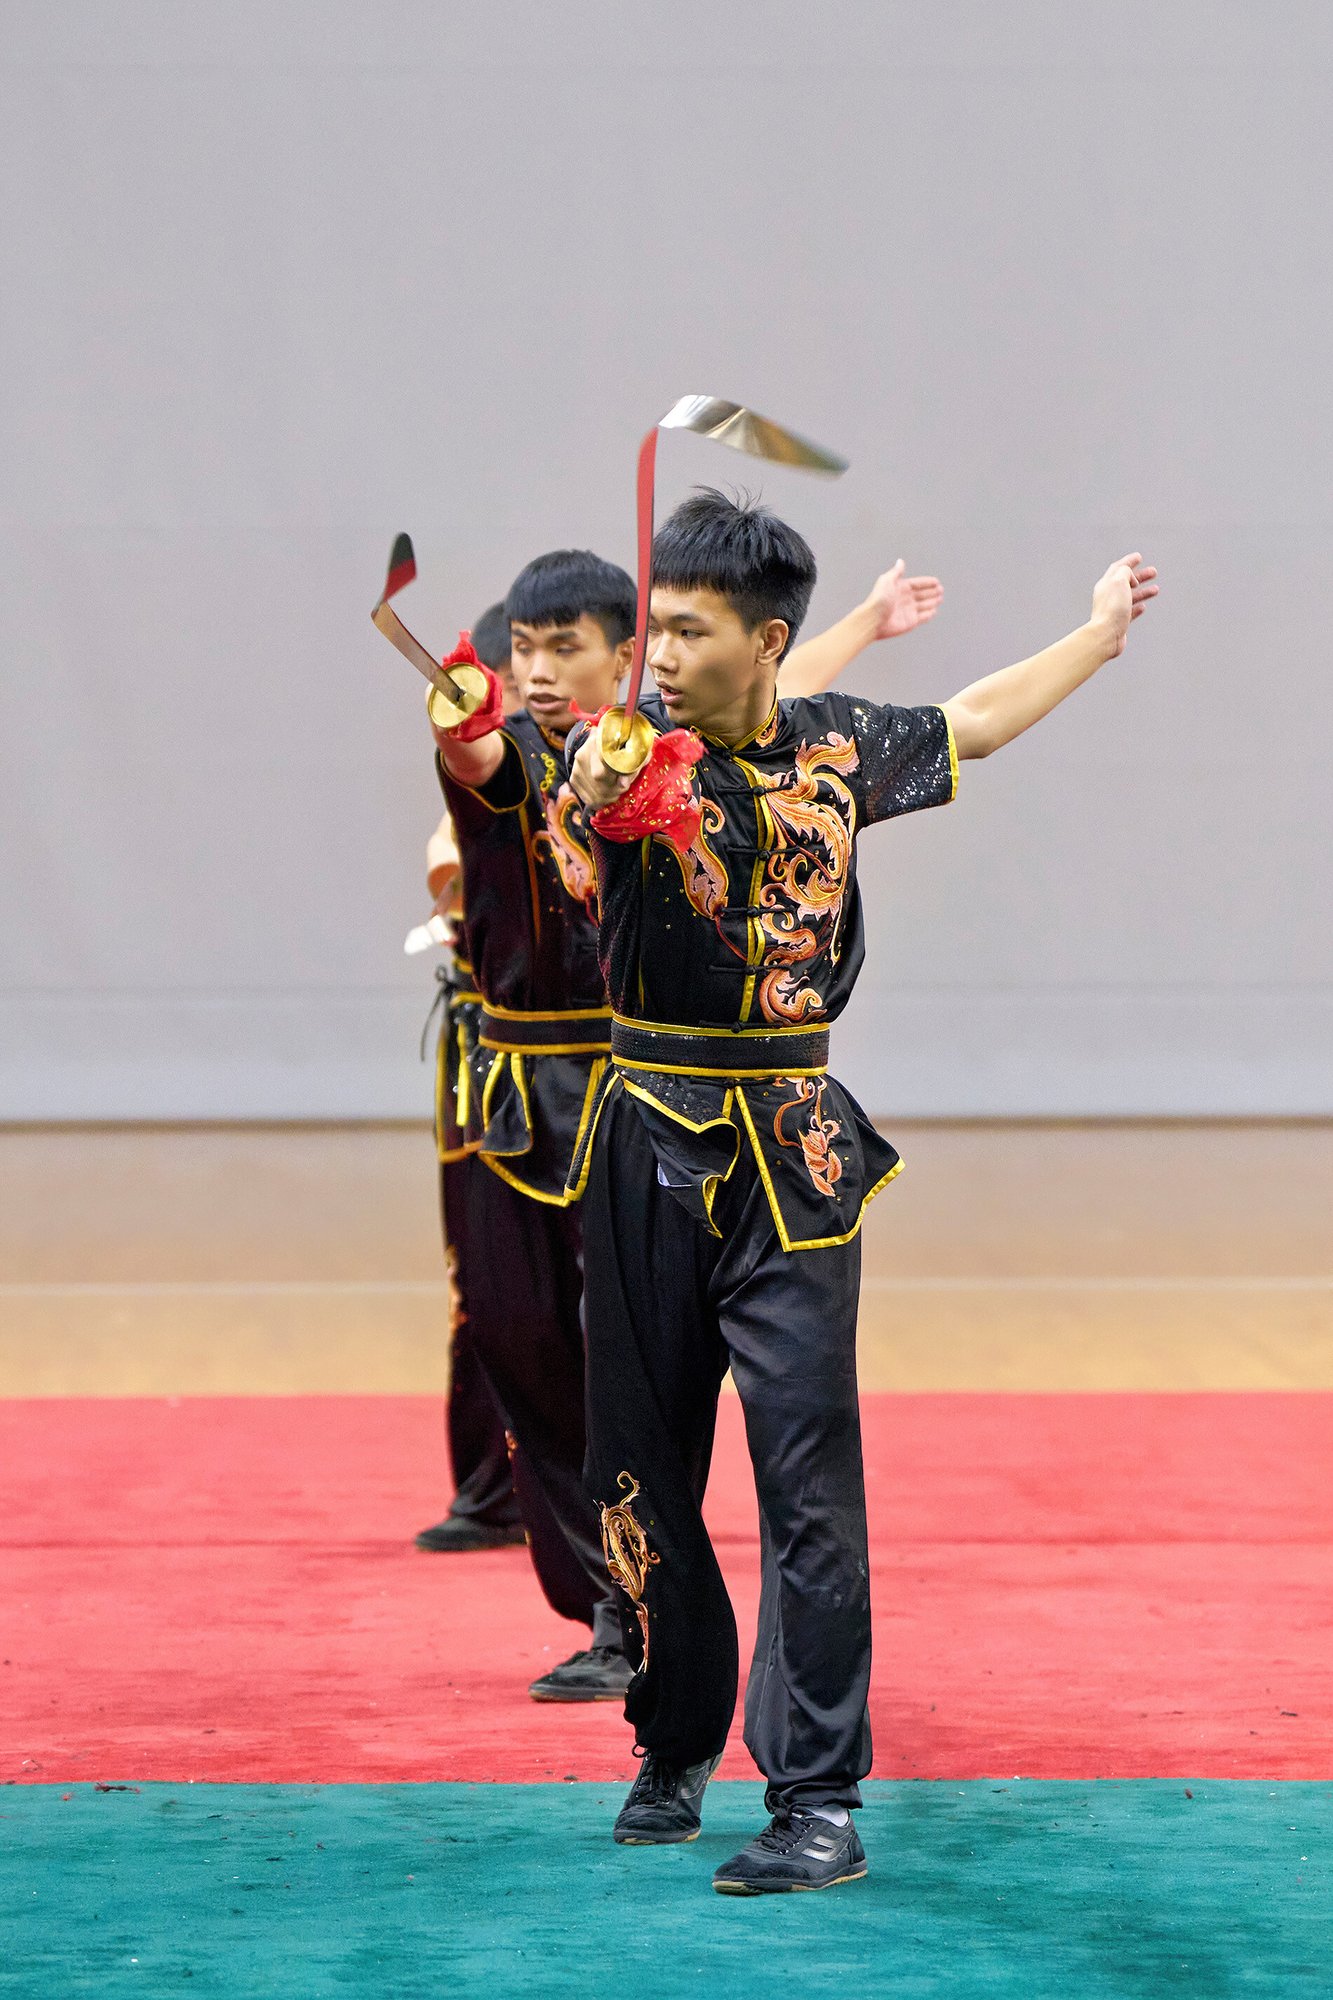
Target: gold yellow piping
[(464, 1094), (953, 757), (723, 1117), (544, 1048), (569, 1196), (714, 1075), (754, 929), (751, 1034), (548, 1013), (588, 1139)]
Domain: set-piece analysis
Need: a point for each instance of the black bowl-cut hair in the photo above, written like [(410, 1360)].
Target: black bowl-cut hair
[(762, 567), (557, 589), (490, 636)]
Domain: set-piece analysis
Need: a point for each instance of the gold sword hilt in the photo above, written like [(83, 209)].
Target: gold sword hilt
[(455, 692), (624, 740), (455, 695)]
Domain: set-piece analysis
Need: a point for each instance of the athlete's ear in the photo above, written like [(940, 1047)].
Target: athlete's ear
[(624, 657), (770, 638)]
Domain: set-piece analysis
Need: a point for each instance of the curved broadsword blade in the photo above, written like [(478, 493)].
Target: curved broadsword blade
[(402, 570), (727, 423)]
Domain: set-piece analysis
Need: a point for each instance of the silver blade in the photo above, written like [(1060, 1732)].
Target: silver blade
[(391, 625), (745, 430)]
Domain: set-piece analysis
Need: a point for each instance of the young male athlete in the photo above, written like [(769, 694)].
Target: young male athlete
[(484, 1512), (528, 1082), (726, 1172)]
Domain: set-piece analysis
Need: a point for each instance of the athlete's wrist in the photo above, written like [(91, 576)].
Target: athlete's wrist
[(1103, 637)]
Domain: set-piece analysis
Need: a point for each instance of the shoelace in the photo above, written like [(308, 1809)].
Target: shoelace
[(656, 1780), (598, 1653), (787, 1830)]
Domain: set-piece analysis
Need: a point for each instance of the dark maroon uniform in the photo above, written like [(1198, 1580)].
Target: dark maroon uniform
[(525, 1092)]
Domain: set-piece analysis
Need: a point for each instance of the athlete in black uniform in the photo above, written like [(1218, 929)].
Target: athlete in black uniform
[(531, 1074), (484, 1512), (726, 1172)]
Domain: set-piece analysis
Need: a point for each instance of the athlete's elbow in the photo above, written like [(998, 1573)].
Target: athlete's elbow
[(976, 731)]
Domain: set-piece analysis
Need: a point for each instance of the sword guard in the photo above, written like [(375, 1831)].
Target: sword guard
[(457, 696), (625, 741), (466, 697), (662, 799)]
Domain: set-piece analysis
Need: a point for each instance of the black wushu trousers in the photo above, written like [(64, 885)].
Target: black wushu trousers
[(670, 1305)]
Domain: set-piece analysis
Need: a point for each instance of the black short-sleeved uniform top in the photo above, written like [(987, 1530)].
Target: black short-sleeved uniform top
[(531, 941), (759, 925)]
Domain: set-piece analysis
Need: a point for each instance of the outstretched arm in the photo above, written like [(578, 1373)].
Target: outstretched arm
[(990, 713), (473, 764), (897, 604)]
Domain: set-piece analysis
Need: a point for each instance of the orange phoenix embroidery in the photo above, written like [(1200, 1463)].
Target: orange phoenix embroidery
[(804, 883), (568, 852), (816, 1138), (805, 876), (628, 1556), (701, 869)]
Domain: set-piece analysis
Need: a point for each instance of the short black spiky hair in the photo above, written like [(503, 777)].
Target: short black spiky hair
[(762, 567), (490, 636), (557, 589)]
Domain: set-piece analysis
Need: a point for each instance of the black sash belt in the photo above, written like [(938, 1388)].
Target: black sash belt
[(722, 1052), (584, 1030)]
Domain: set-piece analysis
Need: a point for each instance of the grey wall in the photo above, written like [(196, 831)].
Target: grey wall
[(280, 278)]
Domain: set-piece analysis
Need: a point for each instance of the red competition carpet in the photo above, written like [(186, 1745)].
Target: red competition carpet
[(1066, 1587)]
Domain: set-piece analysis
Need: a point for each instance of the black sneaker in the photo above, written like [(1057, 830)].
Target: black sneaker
[(664, 1802), (456, 1535), (600, 1674), (796, 1850)]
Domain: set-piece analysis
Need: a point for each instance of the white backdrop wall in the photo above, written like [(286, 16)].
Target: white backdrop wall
[(284, 276)]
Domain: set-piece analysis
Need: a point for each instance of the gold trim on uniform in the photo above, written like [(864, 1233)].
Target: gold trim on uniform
[(953, 756), (715, 1075), (517, 1044), (591, 1105)]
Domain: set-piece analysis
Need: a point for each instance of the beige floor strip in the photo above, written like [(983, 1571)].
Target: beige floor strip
[(387, 1336)]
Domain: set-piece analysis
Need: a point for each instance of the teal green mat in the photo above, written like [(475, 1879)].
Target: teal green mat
[(399, 1891)]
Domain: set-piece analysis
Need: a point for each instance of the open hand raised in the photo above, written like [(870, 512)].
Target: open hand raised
[(901, 603), (1122, 595)]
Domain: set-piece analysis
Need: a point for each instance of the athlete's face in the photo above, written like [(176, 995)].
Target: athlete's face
[(559, 668), (711, 672)]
